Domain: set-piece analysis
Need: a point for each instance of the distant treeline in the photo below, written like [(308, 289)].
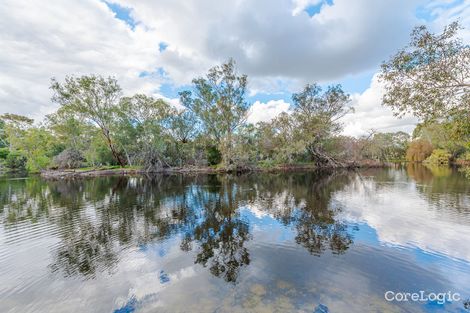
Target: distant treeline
[(95, 125)]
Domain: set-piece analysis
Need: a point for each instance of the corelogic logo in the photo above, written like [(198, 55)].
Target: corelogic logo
[(423, 296)]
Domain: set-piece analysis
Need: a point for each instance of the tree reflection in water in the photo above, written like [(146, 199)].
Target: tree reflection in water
[(96, 219), (305, 201), (221, 233)]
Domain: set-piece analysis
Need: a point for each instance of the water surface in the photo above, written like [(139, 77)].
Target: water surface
[(298, 242)]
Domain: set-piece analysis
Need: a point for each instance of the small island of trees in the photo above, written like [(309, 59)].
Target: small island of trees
[(96, 126)]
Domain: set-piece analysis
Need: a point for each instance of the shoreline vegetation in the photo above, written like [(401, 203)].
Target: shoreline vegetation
[(97, 130), (194, 170), (116, 170)]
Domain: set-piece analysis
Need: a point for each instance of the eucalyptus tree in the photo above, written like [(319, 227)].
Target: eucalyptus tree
[(14, 127), (27, 143), (441, 135), (430, 77), (70, 130), (94, 99), (218, 101), (387, 146), (183, 127), (316, 119), (38, 145), (283, 138), (141, 125)]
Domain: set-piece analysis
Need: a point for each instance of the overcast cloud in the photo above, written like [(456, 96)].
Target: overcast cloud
[(280, 44)]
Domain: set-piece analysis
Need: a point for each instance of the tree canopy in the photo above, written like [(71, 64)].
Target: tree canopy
[(430, 77), (218, 101), (95, 125), (92, 98)]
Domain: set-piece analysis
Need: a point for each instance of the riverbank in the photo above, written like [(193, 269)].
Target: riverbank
[(107, 171)]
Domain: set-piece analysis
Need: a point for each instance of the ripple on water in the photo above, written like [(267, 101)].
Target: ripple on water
[(255, 243)]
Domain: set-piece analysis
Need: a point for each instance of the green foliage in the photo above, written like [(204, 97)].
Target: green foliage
[(387, 146), (140, 130), (218, 102), (465, 156), (3, 136), (465, 170), (267, 163), (441, 135), (15, 161), (70, 131), (14, 128), (98, 153), (95, 126), (439, 157), (183, 125), (429, 77), (312, 125), (93, 99), (15, 120), (37, 145), (213, 154), (4, 153), (69, 158)]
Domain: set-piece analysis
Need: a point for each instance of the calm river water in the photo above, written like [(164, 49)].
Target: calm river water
[(297, 242)]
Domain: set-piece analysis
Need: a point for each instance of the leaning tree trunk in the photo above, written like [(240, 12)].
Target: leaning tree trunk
[(111, 146), (322, 159)]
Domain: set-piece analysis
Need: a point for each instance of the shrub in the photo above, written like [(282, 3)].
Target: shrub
[(268, 163), (213, 155), (465, 156), (37, 162), (15, 161), (465, 170), (69, 158), (4, 153), (439, 157), (418, 150)]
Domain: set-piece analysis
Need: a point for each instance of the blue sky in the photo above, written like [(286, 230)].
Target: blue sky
[(357, 83), (352, 83), (157, 47)]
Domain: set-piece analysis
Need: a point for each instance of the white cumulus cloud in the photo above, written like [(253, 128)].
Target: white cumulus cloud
[(369, 114), (265, 112), (278, 47)]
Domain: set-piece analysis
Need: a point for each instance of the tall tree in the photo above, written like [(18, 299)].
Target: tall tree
[(14, 128), (37, 144), (218, 100), (95, 99), (141, 129), (183, 128), (387, 146), (430, 77), (183, 125), (316, 116), (72, 131)]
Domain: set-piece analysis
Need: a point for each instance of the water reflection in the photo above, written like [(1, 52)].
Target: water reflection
[(285, 242), (305, 201), (95, 219), (412, 207)]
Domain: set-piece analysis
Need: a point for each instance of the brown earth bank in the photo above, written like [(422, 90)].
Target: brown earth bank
[(74, 173)]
